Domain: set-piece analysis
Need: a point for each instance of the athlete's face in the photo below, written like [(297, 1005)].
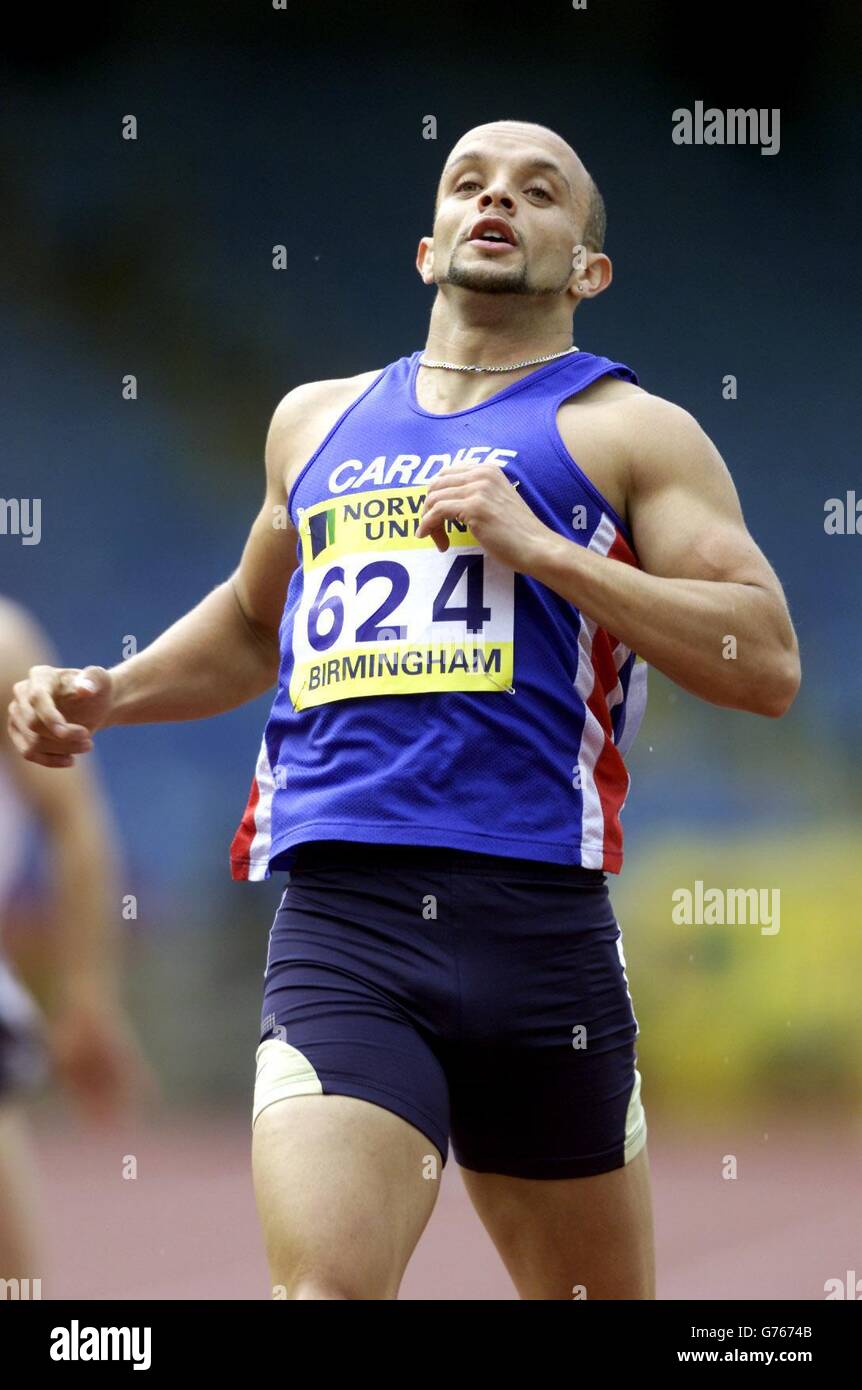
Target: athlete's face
[(533, 187)]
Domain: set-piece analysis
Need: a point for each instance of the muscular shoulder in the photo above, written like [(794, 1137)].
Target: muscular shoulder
[(634, 445), (304, 417), (314, 396), (648, 434), (665, 446), (600, 412), (651, 419), (630, 410)]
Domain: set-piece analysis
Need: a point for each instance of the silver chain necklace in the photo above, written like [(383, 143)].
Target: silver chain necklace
[(530, 362)]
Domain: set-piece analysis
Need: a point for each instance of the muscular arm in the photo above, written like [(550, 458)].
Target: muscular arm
[(225, 651), (703, 578), (221, 654)]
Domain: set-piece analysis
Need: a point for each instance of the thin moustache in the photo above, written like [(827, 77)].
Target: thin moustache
[(467, 237)]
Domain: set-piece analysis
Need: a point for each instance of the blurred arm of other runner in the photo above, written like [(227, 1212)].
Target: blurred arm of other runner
[(94, 1051)]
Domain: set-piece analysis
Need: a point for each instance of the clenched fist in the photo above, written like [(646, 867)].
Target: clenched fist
[(488, 502), (55, 710)]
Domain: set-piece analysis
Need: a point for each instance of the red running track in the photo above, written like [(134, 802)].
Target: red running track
[(186, 1227)]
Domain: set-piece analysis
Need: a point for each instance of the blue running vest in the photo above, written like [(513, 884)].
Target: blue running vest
[(430, 698)]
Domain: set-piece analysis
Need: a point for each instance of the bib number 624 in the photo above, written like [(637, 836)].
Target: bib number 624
[(323, 634)]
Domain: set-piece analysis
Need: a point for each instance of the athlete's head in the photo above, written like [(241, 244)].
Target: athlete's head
[(530, 181)]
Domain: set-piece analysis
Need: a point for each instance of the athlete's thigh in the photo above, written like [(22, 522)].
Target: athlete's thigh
[(351, 1103), (544, 1083), (344, 1189), (572, 1238), (546, 1110)]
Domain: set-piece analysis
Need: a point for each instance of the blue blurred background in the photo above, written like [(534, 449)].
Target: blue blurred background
[(303, 126)]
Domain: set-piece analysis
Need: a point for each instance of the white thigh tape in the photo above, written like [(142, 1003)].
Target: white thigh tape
[(282, 1072), (636, 1126)]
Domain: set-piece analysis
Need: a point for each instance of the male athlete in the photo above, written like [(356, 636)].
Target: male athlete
[(85, 1038), (477, 540)]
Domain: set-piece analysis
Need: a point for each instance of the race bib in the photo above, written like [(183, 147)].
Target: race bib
[(385, 613)]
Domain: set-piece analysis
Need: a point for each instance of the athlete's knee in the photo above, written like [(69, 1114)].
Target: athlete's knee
[(326, 1284), (322, 1288)]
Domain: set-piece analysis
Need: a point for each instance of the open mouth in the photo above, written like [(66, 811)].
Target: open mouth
[(493, 234)]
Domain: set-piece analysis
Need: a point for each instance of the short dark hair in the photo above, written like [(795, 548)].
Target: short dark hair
[(596, 220)]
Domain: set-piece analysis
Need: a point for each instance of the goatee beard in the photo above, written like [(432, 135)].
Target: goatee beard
[(518, 282)]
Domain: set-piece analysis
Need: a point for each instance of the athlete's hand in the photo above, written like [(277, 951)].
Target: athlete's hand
[(501, 521), (97, 1057), (55, 710)]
